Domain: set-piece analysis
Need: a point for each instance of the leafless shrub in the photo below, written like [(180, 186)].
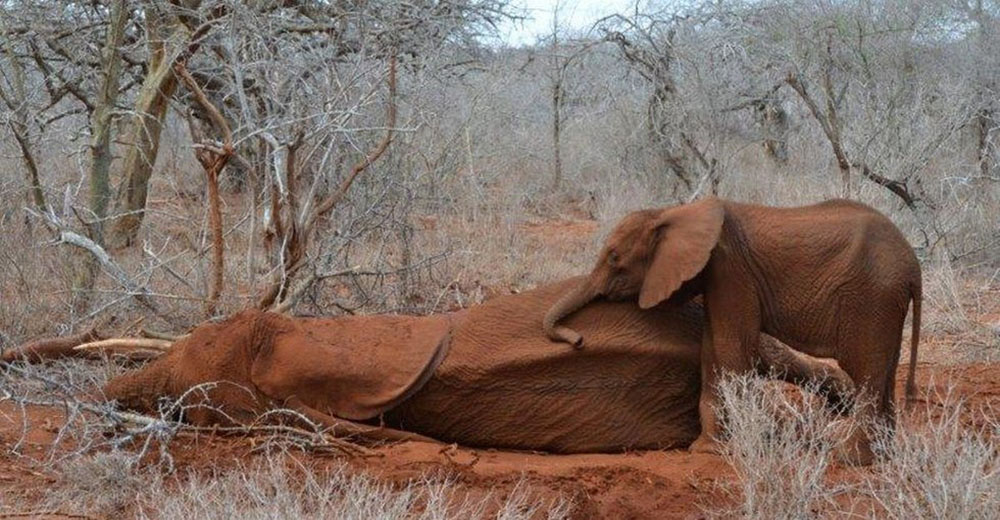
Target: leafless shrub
[(958, 307), (81, 427), (780, 443), (937, 465), (107, 483), (103, 455), (271, 489)]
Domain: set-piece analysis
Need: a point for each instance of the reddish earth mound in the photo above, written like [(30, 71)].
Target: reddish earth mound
[(651, 484)]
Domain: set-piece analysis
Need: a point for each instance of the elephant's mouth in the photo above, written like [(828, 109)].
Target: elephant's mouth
[(614, 288), (611, 297), (614, 294)]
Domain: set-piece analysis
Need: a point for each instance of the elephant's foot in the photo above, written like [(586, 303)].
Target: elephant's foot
[(706, 444)]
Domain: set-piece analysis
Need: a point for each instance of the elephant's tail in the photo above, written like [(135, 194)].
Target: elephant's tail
[(911, 386)]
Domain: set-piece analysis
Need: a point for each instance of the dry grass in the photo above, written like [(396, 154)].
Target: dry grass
[(782, 444), (110, 469), (271, 490), (433, 238), (276, 486), (936, 466), (962, 314)]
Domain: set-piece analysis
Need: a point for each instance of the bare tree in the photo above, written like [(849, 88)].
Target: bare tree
[(14, 94), (557, 72), (104, 106), (213, 159), (76, 82), (562, 55), (866, 80), (172, 33), (647, 41), (986, 17)]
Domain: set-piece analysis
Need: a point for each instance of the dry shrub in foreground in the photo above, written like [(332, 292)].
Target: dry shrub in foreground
[(111, 469), (961, 307), (780, 444), (110, 485), (103, 483), (271, 490), (937, 466)]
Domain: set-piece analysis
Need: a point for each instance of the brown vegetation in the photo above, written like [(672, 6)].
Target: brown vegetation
[(387, 157)]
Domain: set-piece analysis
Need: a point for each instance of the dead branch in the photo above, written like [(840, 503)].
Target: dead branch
[(390, 122), (218, 121), (314, 277), (66, 236), (28, 157), (828, 123), (294, 235), (110, 267), (155, 334), (212, 160)]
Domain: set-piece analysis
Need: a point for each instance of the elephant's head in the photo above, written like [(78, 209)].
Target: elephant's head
[(649, 254)]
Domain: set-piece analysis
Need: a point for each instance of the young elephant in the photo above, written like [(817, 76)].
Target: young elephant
[(832, 280)]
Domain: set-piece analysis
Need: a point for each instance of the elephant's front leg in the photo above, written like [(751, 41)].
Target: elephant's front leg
[(729, 344)]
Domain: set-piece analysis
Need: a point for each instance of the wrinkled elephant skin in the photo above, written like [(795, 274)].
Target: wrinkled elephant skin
[(833, 280), (479, 377)]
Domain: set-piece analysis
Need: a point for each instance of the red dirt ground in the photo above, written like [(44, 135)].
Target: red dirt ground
[(654, 484)]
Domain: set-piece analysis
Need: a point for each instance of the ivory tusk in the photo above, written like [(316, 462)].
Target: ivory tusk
[(160, 345)]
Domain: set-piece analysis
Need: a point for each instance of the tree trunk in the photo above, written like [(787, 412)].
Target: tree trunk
[(984, 119), (293, 235), (661, 136), (17, 102), (147, 123), (557, 100), (212, 169), (85, 265), (28, 156), (107, 98), (212, 161)]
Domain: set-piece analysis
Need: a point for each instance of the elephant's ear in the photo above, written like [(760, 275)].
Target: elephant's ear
[(687, 235)]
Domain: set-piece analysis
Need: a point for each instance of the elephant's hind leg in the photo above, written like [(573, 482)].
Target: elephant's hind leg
[(871, 362), (774, 357)]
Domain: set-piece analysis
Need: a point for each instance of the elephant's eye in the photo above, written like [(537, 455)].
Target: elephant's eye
[(613, 258)]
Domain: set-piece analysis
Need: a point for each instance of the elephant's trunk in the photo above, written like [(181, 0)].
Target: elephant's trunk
[(141, 388), (568, 304)]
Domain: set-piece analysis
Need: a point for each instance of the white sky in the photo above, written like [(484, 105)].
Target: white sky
[(573, 14)]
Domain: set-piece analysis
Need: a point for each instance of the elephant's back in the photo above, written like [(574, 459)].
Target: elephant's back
[(634, 385)]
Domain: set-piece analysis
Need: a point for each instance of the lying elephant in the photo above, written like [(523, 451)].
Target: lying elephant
[(486, 376)]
